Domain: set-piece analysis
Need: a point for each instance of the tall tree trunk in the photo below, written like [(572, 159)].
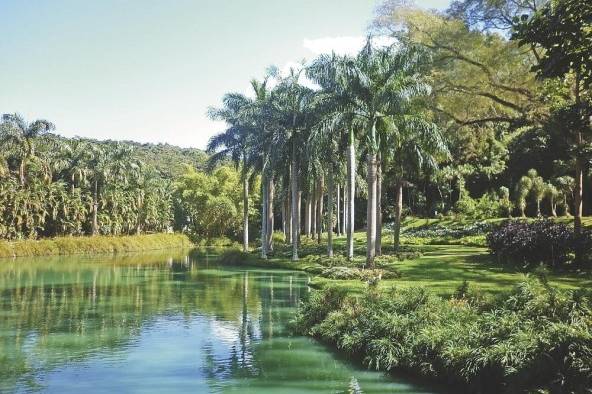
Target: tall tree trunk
[(378, 248), (299, 210), (295, 216), (264, 218), (579, 170), (95, 211), (371, 211), (270, 227), (245, 214), (330, 213), (289, 228), (344, 212), (321, 192), (553, 206), (538, 207), (398, 211), (284, 219), (351, 193), (338, 216), (307, 214), (22, 172), (313, 212)]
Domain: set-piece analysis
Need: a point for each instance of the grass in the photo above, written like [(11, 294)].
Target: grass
[(442, 268), (92, 245)]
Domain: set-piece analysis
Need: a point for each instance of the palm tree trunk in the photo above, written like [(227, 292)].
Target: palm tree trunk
[(307, 214), (378, 248), (351, 192), (371, 211), (344, 212), (330, 213), (95, 211), (284, 222), (538, 207), (299, 210), (22, 172), (338, 222), (270, 227), (295, 217), (578, 208), (264, 218), (313, 212), (320, 192), (398, 211), (288, 219), (245, 214)]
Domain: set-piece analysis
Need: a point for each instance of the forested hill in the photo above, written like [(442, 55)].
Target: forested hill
[(169, 160)]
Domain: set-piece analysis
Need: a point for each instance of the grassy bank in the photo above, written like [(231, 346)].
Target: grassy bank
[(442, 268), (92, 245)]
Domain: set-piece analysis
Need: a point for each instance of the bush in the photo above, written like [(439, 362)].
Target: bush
[(348, 273), (535, 339), (539, 242)]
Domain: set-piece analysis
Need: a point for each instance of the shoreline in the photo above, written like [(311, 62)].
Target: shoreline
[(89, 245)]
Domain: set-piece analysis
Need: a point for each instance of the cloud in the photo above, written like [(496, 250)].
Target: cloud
[(343, 45)]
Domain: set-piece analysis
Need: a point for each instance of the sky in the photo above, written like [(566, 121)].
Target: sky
[(147, 70)]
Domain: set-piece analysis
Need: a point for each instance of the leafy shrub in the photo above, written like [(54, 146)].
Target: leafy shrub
[(542, 241), (449, 231), (535, 339), (346, 273)]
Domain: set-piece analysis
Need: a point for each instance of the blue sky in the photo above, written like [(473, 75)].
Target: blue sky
[(147, 70)]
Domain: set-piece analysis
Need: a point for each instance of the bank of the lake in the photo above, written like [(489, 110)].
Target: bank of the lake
[(93, 245)]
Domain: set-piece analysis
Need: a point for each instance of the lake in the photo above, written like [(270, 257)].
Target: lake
[(164, 323)]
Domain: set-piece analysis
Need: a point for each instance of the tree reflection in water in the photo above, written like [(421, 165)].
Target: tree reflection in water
[(157, 322)]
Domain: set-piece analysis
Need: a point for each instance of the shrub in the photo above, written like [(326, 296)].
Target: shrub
[(542, 241), (535, 339), (346, 273)]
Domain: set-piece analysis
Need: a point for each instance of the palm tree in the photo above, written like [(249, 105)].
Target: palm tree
[(522, 190), (295, 112), (376, 84), (20, 138), (233, 144), (412, 145)]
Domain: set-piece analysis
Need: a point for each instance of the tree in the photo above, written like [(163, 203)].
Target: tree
[(562, 29), (20, 138), (233, 144)]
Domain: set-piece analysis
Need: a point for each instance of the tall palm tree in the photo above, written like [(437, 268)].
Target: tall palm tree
[(233, 144), (20, 139), (295, 110), (412, 144), (376, 84)]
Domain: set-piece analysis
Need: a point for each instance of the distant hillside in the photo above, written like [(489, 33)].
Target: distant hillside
[(169, 160)]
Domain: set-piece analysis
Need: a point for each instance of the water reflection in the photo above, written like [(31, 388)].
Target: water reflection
[(154, 323)]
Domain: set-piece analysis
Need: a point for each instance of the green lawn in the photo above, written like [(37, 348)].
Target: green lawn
[(442, 268)]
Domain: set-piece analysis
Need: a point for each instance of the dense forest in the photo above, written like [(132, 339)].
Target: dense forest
[(52, 186)]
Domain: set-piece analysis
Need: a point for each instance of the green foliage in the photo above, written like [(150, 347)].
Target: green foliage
[(52, 186), (536, 338), (212, 202)]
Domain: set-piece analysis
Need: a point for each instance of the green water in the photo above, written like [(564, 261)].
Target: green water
[(157, 323)]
